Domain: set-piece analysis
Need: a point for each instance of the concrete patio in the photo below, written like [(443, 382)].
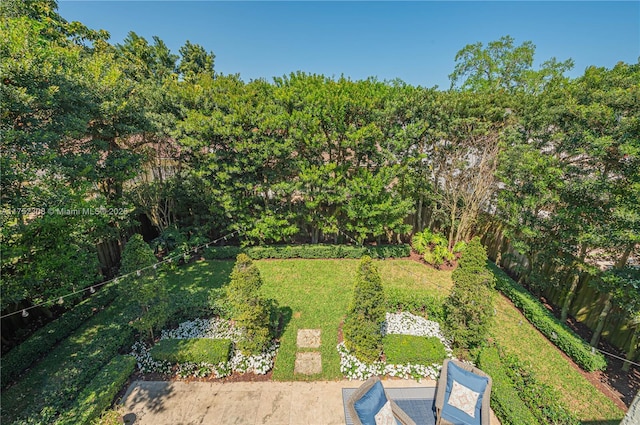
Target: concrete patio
[(264, 403)]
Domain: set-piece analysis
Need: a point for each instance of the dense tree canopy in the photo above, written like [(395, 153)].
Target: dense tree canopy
[(85, 124)]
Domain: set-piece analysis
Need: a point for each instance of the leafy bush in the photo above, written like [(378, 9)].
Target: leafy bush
[(469, 307), (40, 342), (362, 326), (308, 251), (195, 350), (218, 303), (432, 246), (405, 299), (404, 349), (557, 332), (221, 252), (505, 402), (146, 288), (99, 394), (250, 311), (459, 247)]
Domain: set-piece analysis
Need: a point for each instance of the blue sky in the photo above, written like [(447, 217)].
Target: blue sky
[(414, 41)]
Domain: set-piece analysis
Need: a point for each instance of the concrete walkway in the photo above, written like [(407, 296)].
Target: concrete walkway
[(250, 403)]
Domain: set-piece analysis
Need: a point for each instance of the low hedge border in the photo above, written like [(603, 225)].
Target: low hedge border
[(16, 361), (411, 349), (99, 393), (543, 401), (402, 299), (505, 402), (51, 385), (308, 251), (557, 332), (195, 350)]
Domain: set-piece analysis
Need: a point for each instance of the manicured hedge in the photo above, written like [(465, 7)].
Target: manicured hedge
[(309, 251), (99, 394), (51, 385), (558, 333), (404, 299), (405, 349), (543, 400), (40, 343), (195, 350), (505, 402)]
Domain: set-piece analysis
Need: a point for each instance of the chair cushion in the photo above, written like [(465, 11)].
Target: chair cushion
[(370, 404), (464, 385), (385, 416)]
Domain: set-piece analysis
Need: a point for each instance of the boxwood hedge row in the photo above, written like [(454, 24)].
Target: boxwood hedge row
[(49, 388), (405, 299), (505, 402), (40, 342), (99, 393), (557, 332), (194, 350), (308, 251)]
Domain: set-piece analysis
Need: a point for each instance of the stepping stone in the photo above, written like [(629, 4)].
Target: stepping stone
[(308, 338), (308, 363)]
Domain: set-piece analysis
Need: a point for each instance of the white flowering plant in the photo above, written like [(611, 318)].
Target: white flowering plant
[(399, 324), (206, 328)]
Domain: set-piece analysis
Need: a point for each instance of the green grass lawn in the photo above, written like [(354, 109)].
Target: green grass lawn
[(318, 292), (315, 294), (512, 330)]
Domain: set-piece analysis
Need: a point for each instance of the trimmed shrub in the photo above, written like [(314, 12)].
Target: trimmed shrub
[(41, 341), (469, 307), (221, 252), (404, 299), (543, 400), (145, 288), (505, 402), (308, 251), (557, 332), (52, 384), (362, 326), (195, 350), (405, 349), (99, 394), (249, 310)]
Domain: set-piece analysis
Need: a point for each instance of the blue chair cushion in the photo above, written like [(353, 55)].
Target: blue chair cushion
[(473, 382), (370, 404)]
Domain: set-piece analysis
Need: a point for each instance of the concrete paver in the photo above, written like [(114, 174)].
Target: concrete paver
[(308, 363), (246, 403), (308, 338)]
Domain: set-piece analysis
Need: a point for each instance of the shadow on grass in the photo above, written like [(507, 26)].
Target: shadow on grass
[(285, 313)]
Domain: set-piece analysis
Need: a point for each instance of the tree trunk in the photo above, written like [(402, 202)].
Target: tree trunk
[(622, 261), (574, 285), (418, 221), (569, 297), (453, 226), (601, 320), (632, 351)]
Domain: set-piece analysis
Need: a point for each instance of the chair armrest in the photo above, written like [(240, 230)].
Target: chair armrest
[(400, 415)]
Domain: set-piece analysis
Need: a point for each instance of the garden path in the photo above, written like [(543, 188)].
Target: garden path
[(308, 362)]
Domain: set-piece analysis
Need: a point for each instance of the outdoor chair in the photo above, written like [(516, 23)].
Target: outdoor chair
[(462, 395), (367, 401)]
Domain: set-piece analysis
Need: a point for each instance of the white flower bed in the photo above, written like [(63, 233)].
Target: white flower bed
[(206, 328), (400, 324)]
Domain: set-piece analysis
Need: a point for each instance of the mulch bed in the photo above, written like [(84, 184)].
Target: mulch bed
[(621, 387)]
